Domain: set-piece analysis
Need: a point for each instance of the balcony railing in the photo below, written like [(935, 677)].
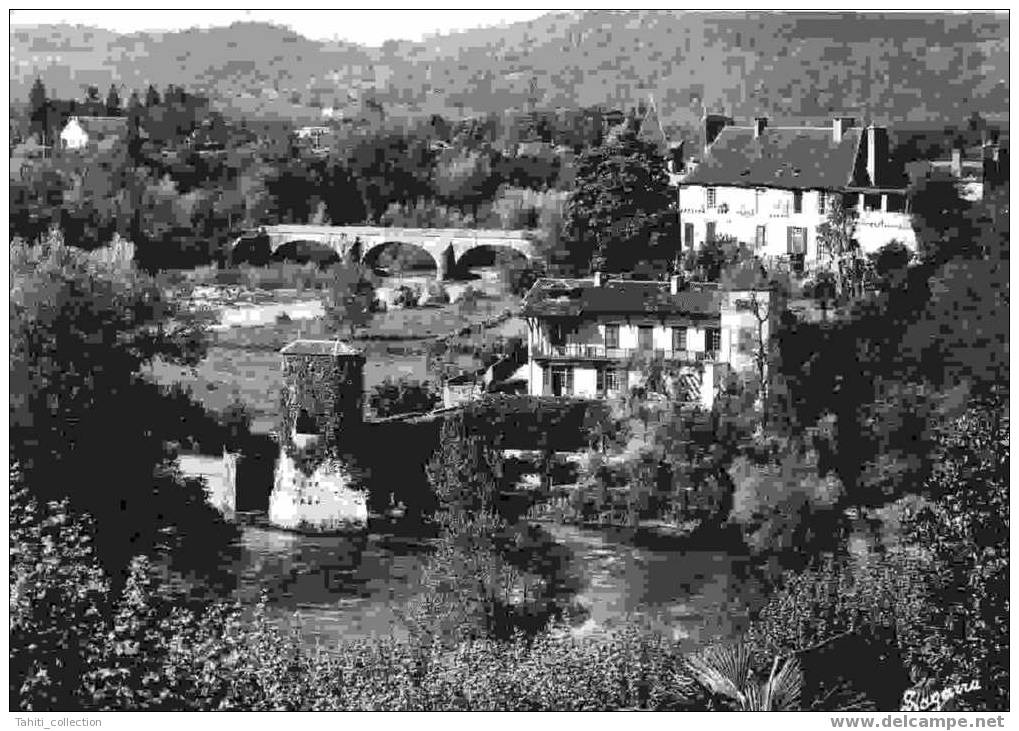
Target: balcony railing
[(597, 351)]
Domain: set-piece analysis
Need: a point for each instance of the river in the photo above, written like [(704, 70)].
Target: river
[(335, 587)]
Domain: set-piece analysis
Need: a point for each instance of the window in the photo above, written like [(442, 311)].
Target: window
[(562, 381), (557, 333), (872, 202), (761, 237), (896, 203), (679, 338), (611, 336), (797, 241), (713, 339), (797, 201), (850, 200), (608, 380), (688, 234), (822, 202), (709, 232), (712, 195), (645, 337)]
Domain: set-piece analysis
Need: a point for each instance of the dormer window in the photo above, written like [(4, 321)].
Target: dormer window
[(712, 196)]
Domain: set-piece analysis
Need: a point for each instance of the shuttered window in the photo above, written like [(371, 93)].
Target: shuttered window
[(679, 338), (796, 240), (645, 337), (612, 336)]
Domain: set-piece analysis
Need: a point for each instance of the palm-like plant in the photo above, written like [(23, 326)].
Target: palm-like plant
[(727, 671)]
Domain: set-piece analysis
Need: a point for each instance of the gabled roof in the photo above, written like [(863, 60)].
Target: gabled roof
[(102, 126), (782, 157), (651, 130), (580, 297)]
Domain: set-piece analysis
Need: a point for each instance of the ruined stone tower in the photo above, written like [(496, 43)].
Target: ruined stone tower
[(321, 406), (323, 386)]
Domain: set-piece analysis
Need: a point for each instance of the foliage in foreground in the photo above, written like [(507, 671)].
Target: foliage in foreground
[(74, 645), (939, 601)]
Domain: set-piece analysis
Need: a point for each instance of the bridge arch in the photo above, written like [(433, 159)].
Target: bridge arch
[(304, 251), (371, 252), (484, 254)]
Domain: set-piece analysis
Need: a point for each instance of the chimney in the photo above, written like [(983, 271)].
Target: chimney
[(956, 162), (839, 125), (676, 157), (760, 123), (675, 284), (877, 154)]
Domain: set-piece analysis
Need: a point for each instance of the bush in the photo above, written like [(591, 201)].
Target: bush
[(406, 296), (403, 396), (779, 504)]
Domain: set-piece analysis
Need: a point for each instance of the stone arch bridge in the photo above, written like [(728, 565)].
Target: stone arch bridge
[(446, 246)]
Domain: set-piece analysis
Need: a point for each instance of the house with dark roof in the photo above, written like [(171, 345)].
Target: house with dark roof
[(772, 187), (598, 338), (80, 132)]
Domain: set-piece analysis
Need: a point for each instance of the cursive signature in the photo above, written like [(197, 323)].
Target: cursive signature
[(923, 700)]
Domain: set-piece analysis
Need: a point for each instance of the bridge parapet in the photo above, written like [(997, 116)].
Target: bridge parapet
[(435, 241)]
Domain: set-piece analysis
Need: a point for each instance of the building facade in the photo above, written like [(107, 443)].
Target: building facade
[(595, 338), (773, 187)]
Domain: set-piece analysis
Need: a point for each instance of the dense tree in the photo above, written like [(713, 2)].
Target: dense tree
[(464, 470), (402, 396), (113, 108), (350, 298), (465, 180), (85, 424), (37, 110), (621, 206), (840, 251)]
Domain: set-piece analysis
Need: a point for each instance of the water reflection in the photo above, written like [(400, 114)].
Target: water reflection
[(343, 587)]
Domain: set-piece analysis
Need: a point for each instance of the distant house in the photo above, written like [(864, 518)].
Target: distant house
[(81, 132), (772, 187), (317, 137), (974, 170), (461, 389)]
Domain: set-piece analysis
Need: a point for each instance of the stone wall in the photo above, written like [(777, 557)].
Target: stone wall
[(324, 501), (220, 477)]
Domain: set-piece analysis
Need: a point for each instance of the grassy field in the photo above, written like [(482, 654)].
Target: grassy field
[(243, 363)]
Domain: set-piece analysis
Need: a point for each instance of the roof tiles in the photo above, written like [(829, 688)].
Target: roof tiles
[(782, 157)]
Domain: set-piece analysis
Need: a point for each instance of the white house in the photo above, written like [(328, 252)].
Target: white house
[(80, 132), (597, 338), (772, 187)]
